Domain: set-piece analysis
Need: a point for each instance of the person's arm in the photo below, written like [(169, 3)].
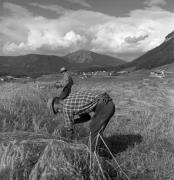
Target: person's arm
[(58, 85), (55, 85)]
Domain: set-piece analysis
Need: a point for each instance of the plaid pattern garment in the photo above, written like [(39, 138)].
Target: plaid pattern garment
[(79, 103)]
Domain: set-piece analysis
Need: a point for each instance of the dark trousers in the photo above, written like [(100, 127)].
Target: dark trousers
[(65, 92), (103, 113)]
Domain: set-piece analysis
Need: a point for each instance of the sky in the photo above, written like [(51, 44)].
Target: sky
[(124, 29)]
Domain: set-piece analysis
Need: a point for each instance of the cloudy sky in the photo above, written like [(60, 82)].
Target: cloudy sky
[(121, 28)]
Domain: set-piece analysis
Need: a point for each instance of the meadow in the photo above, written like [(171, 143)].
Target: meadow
[(141, 131)]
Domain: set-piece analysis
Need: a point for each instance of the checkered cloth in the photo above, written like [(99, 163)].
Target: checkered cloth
[(79, 103)]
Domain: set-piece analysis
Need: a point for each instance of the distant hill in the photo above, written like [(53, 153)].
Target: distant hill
[(88, 59), (159, 56), (36, 65), (31, 65)]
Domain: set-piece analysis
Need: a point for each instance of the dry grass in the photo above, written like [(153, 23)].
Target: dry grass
[(143, 109), (35, 156)]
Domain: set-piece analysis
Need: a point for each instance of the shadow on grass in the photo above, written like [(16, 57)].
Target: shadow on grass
[(118, 143)]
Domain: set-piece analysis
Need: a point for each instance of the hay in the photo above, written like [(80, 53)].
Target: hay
[(34, 156)]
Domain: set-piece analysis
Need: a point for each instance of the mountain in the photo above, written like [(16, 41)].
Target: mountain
[(159, 56), (88, 58), (31, 65), (36, 64)]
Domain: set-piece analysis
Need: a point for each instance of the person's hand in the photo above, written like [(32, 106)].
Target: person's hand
[(70, 134), (57, 85), (51, 105)]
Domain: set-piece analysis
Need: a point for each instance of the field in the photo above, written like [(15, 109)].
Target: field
[(141, 131)]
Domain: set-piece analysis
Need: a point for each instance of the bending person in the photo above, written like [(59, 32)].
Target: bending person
[(81, 104)]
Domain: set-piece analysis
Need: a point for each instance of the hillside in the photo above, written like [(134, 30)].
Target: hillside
[(31, 65), (88, 58), (36, 64), (159, 56)]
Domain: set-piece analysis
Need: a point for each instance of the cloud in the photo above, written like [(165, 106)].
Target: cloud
[(140, 31), (59, 9), (12, 24), (155, 2), (55, 8), (80, 2), (37, 40), (135, 39), (16, 10), (143, 30)]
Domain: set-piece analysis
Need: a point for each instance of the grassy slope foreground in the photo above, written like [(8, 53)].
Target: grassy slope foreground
[(141, 132)]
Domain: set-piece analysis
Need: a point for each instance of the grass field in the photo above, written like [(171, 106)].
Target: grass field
[(141, 131)]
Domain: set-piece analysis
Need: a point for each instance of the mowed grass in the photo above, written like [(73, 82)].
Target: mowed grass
[(142, 127)]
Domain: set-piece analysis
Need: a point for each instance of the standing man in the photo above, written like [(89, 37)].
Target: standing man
[(66, 83), (81, 104)]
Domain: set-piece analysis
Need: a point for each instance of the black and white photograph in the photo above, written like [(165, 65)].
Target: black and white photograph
[(86, 89)]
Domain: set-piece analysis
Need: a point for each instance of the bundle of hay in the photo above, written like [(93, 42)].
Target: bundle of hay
[(25, 155)]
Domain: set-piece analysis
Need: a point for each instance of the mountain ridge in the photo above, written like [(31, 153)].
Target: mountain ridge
[(83, 56), (38, 64)]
